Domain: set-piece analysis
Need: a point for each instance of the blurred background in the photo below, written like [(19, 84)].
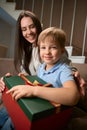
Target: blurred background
[(70, 15)]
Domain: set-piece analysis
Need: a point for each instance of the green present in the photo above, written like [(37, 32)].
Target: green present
[(35, 108)]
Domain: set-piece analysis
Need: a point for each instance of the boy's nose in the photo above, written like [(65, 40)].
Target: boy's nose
[(47, 50)]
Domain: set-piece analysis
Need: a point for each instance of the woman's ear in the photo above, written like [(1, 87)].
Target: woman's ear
[(63, 50)]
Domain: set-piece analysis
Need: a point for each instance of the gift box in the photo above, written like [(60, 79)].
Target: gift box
[(34, 113)]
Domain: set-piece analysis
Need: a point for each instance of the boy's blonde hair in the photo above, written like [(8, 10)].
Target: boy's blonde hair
[(56, 34)]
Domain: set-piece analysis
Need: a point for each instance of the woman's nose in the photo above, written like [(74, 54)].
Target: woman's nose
[(28, 31)]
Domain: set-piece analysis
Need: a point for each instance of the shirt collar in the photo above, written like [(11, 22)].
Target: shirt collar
[(54, 68)]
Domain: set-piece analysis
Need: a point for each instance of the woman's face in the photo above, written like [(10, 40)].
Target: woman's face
[(29, 30)]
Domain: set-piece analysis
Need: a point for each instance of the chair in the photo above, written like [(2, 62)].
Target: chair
[(77, 59), (69, 50)]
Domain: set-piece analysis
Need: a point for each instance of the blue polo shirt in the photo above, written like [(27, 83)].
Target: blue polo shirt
[(57, 75)]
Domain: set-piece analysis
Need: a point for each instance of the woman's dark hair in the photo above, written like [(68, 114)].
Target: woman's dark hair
[(23, 49)]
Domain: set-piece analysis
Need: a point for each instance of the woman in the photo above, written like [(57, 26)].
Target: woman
[(26, 50)]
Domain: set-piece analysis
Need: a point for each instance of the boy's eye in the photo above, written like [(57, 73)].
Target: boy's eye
[(54, 47), (42, 47)]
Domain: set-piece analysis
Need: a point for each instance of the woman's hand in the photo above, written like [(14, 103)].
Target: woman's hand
[(80, 81), (2, 84)]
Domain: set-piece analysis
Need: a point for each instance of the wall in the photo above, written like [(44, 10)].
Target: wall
[(7, 32), (69, 15)]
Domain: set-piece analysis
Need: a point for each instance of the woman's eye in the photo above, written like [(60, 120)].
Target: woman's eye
[(23, 29), (32, 26)]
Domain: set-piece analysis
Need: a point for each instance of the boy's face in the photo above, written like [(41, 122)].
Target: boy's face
[(50, 52)]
